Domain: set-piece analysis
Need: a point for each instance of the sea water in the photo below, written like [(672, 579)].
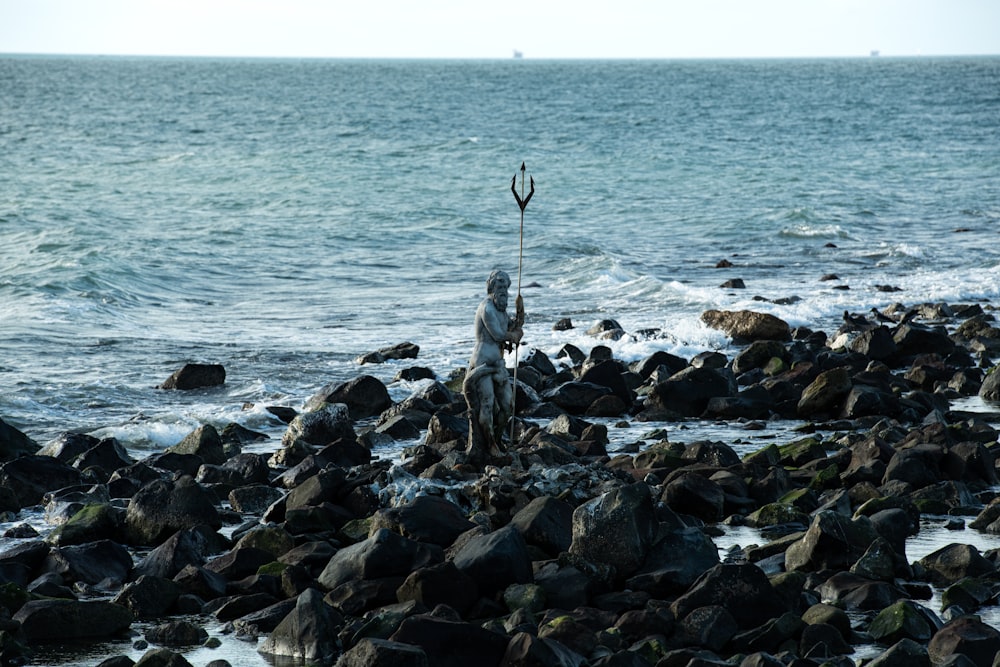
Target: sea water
[(284, 217)]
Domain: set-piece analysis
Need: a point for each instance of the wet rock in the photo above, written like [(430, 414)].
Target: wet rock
[(399, 351), (853, 592), (203, 442), (904, 619), (689, 391), (694, 494), (742, 589), (190, 546), (967, 636), (576, 397), (253, 499), (990, 389), (176, 633), (161, 508), (162, 657), (875, 343), (93, 522), (833, 541), (430, 519), (320, 427), (546, 523), (442, 583), (103, 563), (364, 396), (373, 652), (196, 376), (30, 477), (384, 554), (904, 653), (616, 528), (308, 632), (66, 620), (954, 562), (825, 395), (148, 597), (495, 560), (451, 643), (747, 324)]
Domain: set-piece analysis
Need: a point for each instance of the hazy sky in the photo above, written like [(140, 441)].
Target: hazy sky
[(481, 29)]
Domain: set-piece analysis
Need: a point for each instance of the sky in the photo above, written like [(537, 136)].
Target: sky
[(491, 29)]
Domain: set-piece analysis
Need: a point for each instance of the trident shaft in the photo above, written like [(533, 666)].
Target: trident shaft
[(522, 203)]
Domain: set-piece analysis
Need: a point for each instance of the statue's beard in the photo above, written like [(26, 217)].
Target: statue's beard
[(500, 301)]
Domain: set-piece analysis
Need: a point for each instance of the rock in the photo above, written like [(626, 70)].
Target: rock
[(254, 499), (688, 392), (904, 619), (546, 523), (442, 583), (196, 376), (204, 442), (527, 649), (161, 508), (609, 374), (968, 636), (912, 340), (663, 575), (832, 541), (954, 562), (383, 554), (67, 620), (989, 391), (576, 397), (616, 528), (364, 396), (904, 653), (106, 454), (98, 521), (711, 626), (742, 589), (430, 519), (747, 325), (855, 593), (309, 632), (694, 494), (876, 343), (162, 657), (757, 355), (176, 633), (450, 643), (825, 395), (495, 560), (103, 563), (373, 652), (148, 597), (31, 477), (189, 546), (321, 426)]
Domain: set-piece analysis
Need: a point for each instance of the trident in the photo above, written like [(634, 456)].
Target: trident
[(522, 203)]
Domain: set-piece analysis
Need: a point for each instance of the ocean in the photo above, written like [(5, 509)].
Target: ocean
[(284, 217)]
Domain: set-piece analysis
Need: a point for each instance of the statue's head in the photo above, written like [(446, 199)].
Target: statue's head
[(496, 286)]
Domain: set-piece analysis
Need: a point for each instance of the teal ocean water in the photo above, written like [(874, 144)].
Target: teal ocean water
[(282, 217)]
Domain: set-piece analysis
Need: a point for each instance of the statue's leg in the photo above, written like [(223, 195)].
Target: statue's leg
[(503, 408)]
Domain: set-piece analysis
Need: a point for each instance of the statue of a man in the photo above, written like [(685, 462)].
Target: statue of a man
[(487, 386)]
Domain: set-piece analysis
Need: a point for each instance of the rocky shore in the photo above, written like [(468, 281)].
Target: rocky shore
[(559, 553)]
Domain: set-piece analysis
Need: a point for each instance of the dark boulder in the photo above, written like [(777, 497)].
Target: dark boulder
[(67, 620), (148, 597), (575, 397), (833, 541), (176, 633), (373, 652), (364, 396), (825, 395), (742, 589), (103, 563), (547, 523), (689, 391), (967, 636), (442, 583), (189, 546), (383, 554), (954, 562), (904, 653), (430, 519), (990, 389), (161, 508), (327, 423), (309, 632), (675, 562), (451, 643), (203, 442), (747, 325), (196, 376), (616, 529), (495, 560), (31, 477), (696, 495), (904, 619)]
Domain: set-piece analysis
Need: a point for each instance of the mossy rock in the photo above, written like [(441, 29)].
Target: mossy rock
[(826, 478), (273, 569), (356, 530), (774, 514), (803, 499), (775, 366), (802, 451), (902, 620), (766, 456), (932, 506), (662, 454), (92, 522), (13, 597), (969, 593), (529, 597)]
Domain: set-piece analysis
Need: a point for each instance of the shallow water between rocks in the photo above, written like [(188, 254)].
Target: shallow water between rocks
[(624, 436)]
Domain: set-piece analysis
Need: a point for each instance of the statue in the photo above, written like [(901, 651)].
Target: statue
[(487, 387)]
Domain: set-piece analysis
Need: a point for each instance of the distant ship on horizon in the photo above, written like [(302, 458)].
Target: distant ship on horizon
[(518, 54), (874, 53)]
